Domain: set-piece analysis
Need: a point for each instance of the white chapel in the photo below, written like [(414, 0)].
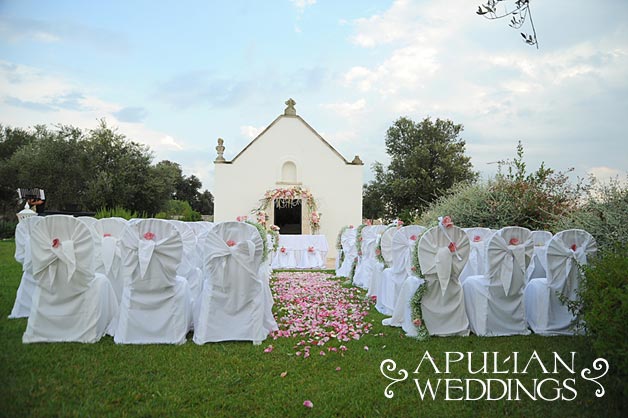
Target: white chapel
[(292, 177)]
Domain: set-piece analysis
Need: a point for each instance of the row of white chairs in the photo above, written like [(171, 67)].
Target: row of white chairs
[(143, 281), (492, 282)]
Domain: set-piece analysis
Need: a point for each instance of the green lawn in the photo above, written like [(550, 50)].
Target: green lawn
[(239, 379)]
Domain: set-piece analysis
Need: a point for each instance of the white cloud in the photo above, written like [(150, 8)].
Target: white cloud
[(346, 109), (250, 132), (170, 142), (604, 174), (303, 4)]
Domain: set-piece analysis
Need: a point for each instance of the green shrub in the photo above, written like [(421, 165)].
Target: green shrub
[(7, 229), (603, 297), (512, 197), (179, 209), (118, 212), (604, 214)]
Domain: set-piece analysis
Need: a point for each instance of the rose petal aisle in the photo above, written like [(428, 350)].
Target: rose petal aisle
[(319, 309)]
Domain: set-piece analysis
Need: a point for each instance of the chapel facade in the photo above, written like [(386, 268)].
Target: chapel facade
[(291, 176)]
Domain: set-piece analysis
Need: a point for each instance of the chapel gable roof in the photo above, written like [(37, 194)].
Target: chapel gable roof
[(291, 113)]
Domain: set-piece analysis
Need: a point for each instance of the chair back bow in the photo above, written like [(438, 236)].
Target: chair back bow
[(437, 260), (565, 251), (110, 250), (508, 260)]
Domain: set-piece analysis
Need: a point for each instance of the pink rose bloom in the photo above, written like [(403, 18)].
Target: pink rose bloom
[(56, 243), (417, 322), (231, 243), (513, 241), (378, 251), (338, 369), (282, 249), (477, 238), (452, 247), (106, 235), (573, 247), (447, 222), (413, 237), (308, 404), (310, 249), (149, 236), (413, 268)]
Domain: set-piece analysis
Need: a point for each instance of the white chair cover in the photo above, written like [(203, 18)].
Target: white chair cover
[(537, 267), (494, 301), (478, 239), (544, 310), (233, 297), (190, 265), (403, 244), (366, 261), (155, 305), (348, 240), (443, 305), (24, 296), (110, 232), (71, 301), (378, 272)]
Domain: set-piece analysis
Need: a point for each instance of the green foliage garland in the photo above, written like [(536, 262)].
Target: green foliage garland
[(378, 250), (358, 240), (262, 234), (415, 302)]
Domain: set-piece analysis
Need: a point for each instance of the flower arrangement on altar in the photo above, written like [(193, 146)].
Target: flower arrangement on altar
[(289, 198)]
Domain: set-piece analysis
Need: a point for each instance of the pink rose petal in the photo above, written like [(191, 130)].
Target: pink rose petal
[(308, 404)]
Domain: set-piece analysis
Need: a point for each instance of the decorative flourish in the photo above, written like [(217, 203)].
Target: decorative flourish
[(56, 243), (389, 365), (519, 15), (149, 236), (598, 364)]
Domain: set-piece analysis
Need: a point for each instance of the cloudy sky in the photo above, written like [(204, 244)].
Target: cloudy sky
[(177, 77)]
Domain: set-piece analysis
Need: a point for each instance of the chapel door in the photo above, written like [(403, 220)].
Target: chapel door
[(288, 218)]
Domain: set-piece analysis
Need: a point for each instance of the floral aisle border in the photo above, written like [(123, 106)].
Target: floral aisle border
[(284, 197)]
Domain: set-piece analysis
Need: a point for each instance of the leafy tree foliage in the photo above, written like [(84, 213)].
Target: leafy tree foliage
[(91, 170), (426, 159)]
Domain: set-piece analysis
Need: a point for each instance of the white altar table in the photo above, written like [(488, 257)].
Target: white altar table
[(300, 251)]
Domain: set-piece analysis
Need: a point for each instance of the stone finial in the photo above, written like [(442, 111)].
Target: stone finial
[(220, 149), (290, 110), (357, 161)]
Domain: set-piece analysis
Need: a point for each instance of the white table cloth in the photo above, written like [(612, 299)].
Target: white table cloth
[(301, 251)]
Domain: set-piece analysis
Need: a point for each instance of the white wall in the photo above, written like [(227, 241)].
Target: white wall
[(336, 185)]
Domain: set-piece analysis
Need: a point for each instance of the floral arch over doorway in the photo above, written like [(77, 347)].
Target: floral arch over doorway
[(286, 197)]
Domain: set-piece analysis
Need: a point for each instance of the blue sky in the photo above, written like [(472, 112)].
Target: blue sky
[(178, 75)]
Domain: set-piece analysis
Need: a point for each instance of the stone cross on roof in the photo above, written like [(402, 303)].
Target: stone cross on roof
[(290, 110)]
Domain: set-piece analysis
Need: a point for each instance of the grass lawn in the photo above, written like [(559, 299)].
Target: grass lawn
[(239, 379)]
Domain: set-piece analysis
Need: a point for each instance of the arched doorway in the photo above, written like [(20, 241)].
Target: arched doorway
[(289, 217)]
